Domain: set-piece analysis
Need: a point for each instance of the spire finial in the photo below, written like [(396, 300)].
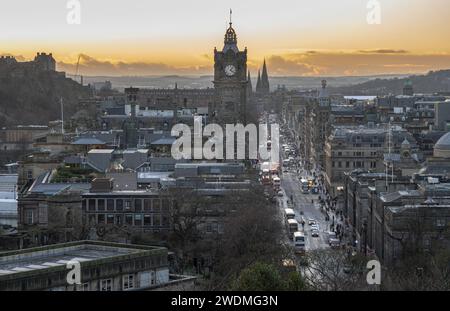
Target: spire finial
[(231, 12)]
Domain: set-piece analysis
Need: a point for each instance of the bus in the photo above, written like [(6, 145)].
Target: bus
[(299, 241), (292, 226), (289, 213)]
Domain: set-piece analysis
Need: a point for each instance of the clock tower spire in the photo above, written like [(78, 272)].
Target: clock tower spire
[(230, 80)]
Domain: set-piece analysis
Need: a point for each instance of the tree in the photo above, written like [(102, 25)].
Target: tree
[(335, 270), (259, 277), (252, 233), (187, 213), (266, 277)]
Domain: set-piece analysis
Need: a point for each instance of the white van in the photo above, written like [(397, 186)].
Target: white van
[(299, 241), (292, 226), (289, 213)]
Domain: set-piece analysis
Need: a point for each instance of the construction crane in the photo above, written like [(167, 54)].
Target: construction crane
[(76, 70)]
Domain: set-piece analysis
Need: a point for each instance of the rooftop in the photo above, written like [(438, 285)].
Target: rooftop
[(88, 141), (55, 257), (101, 151)]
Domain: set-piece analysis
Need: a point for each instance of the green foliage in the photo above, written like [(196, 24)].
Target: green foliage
[(64, 174), (295, 282), (266, 277)]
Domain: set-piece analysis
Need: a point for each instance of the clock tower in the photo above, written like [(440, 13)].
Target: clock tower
[(230, 81)]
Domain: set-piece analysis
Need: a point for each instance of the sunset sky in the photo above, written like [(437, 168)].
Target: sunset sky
[(297, 37)]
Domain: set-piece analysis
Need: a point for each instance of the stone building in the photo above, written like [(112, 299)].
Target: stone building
[(125, 212), (230, 81), (393, 217), (350, 148), (104, 267), (361, 188)]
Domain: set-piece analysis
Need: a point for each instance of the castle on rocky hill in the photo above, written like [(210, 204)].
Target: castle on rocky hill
[(42, 63)]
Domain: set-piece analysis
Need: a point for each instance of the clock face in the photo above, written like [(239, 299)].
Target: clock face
[(230, 70)]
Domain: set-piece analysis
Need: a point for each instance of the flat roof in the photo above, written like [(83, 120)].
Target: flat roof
[(101, 151), (41, 259)]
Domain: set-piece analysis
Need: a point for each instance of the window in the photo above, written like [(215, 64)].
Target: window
[(110, 204), (157, 220), (110, 219), (138, 220), (347, 164), (129, 219), (106, 285), (128, 281), (147, 205), (214, 226), (119, 220), (339, 164), (127, 205), (101, 219), (101, 204), (165, 205), (29, 217), (138, 205), (119, 204), (157, 205), (440, 222), (208, 227), (147, 220), (91, 205)]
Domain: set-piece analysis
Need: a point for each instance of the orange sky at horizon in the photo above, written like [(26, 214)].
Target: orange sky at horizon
[(304, 38)]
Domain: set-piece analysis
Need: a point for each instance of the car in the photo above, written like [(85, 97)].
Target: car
[(334, 243), (314, 232), (311, 221), (280, 193)]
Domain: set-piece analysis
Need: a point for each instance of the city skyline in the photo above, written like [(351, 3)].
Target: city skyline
[(313, 38)]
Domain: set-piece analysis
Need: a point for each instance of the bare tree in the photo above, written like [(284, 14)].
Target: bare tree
[(252, 233), (334, 270)]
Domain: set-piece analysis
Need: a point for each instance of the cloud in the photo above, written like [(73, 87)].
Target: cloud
[(384, 51), (339, 63), (280, 65), (308, 63), (92, 66)]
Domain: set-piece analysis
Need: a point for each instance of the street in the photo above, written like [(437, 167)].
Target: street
[(302, 203)]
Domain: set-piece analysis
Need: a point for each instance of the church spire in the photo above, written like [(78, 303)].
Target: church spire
[(249, 84), (264, 85), (258, 82)]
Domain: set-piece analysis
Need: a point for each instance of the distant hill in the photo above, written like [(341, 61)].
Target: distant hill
[(434, 81), (34, 98), (299, 83)]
